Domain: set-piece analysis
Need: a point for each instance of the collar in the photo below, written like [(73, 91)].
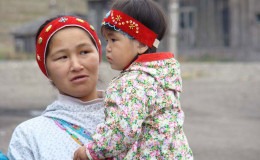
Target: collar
[(154, 57), (149, 57)]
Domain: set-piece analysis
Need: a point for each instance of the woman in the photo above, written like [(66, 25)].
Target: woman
[(68, 52)]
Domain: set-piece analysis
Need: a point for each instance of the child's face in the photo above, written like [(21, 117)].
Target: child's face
[(120, 50), (72, 63)]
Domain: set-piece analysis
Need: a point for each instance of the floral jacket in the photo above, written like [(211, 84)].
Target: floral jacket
[(143, 115)]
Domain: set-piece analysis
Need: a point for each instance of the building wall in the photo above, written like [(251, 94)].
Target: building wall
[(209, 27), (224, 23), (245, 25), (255, 27), (16, 13)]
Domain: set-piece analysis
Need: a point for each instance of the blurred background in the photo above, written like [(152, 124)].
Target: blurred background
[(216, 41)]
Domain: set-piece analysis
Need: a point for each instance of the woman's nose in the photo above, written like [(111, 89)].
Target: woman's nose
[(76, 64)]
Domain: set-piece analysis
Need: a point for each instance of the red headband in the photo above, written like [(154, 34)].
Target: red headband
[(132, 27), (56, 25)]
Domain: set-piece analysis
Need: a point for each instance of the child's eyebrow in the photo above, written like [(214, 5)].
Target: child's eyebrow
[(110, 34)]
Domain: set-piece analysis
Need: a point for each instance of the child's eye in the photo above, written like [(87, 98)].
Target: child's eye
[(113, 40)]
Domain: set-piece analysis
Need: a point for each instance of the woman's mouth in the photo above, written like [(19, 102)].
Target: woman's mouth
[(79, 78)]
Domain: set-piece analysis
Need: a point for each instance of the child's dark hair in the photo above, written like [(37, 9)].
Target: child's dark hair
[(147, 12)]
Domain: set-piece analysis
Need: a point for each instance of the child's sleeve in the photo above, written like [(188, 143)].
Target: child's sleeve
[(126, 108)]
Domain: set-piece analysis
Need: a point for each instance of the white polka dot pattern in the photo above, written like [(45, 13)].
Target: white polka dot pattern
[(41, 139)]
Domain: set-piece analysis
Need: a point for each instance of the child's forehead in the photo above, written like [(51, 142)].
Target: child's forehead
[(110, 32)]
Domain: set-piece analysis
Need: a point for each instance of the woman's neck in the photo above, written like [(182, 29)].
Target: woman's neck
[(77, 101)]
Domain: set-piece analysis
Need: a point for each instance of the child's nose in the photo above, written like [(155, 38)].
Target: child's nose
[(108, 48)]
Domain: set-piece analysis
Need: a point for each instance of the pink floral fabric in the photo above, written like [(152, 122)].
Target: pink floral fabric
[(143, 116)]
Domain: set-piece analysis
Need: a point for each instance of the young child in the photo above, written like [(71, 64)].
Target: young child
[(144, 119)]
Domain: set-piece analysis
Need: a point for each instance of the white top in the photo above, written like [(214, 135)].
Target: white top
[(41, 139)]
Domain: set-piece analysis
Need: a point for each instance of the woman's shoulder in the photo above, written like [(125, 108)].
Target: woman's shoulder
[(32, 124), (25, 133)]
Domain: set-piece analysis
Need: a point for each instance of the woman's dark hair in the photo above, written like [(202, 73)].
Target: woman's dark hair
[(39, 31), (45, 24), (147, 12), (41, 28)]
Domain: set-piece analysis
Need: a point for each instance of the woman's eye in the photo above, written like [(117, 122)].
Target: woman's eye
[(83, 52), (62, 57)]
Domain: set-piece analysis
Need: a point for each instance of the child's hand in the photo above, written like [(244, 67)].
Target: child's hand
[(80, 154)]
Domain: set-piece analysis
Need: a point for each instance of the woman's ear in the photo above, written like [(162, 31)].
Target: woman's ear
[(141, 48)]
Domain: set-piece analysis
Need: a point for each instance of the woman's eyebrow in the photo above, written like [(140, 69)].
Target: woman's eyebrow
[(66, 50), (84, 45), (59, 51)]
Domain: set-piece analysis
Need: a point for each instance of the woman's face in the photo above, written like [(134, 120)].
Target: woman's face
[(72, 63)]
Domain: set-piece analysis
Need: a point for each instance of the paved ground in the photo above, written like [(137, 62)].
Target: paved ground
[(221, 102)]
